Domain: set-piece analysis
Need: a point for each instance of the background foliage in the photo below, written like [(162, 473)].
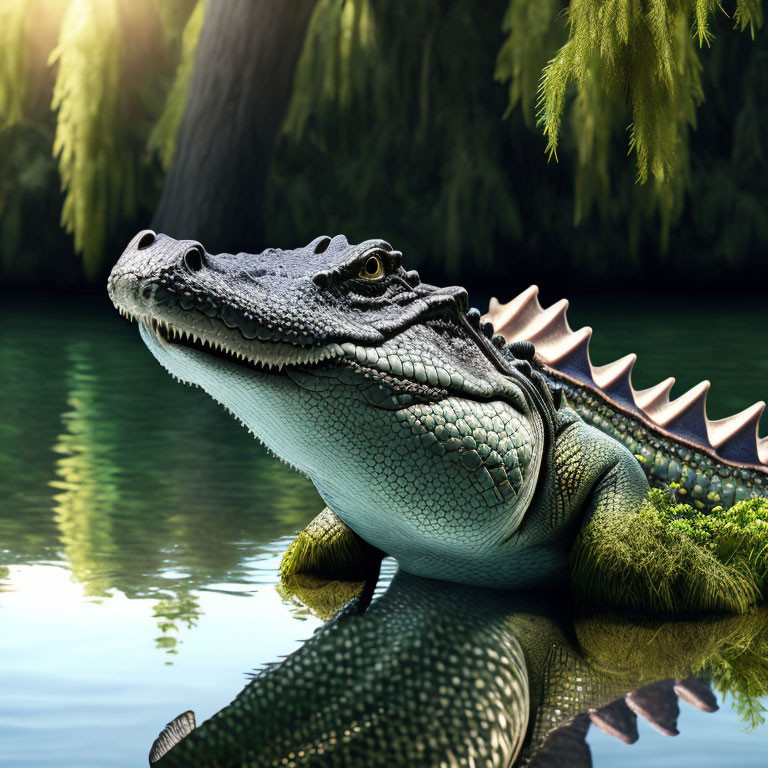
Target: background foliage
[(429, 125)]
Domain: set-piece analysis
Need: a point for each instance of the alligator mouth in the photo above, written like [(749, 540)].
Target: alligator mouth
[(173, 327), (230, 345)]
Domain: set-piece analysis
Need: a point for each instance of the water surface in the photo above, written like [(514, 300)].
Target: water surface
[(141, 529)]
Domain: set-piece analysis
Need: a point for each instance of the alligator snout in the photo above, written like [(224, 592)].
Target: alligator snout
[(135, 281)]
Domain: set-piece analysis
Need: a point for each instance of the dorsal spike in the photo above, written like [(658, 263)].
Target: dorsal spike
[(550, 325), (657, 703), (606, 376), (735, 438), (566, 352), (686, 415), (654, 396), (697, 693), (512, 318), (570, 355), (615, 379)]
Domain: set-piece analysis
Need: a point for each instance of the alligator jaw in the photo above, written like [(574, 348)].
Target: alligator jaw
[(172, 325)]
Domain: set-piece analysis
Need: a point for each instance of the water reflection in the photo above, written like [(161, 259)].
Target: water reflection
[(436, 674), (105, 466)]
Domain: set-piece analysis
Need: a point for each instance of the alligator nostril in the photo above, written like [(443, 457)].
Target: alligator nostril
[(146, 239), (322, 244), (193, 259)]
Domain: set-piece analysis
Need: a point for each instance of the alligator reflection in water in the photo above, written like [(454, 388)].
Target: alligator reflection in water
[(436, 674)]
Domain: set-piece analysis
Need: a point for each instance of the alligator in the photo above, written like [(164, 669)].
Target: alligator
[(440, 674), (470, 448)]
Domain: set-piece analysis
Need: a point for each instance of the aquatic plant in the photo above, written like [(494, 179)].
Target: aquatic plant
[(672, 558)]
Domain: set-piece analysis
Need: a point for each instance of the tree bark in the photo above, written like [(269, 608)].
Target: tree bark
[(238, 94)]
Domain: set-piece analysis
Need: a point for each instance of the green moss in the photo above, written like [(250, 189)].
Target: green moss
[(329, 549), (672, 558)]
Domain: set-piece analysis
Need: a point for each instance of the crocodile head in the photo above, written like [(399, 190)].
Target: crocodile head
[(418, 431)]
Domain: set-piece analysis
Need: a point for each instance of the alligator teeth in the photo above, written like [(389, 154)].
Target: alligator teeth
[(271, 354), (566, 352)]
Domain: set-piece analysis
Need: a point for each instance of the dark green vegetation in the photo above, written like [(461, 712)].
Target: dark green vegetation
[(421, 124), (672, 558)]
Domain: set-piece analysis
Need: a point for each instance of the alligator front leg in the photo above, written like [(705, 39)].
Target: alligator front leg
[(327, 565), (621, 489), (329, 549)]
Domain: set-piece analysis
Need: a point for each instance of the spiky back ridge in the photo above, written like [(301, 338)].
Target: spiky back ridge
[(679, 428)]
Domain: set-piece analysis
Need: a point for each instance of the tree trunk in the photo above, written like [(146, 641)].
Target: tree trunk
[(238, 94)]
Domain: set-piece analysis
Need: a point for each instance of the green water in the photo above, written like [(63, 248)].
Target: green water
[(141, 529)]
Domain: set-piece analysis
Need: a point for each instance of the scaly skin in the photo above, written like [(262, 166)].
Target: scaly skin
[(434, 674), (705, 482), (430, 442)]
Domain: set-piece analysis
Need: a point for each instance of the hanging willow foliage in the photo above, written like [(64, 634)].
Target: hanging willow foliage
[(394, 124), (534, 30), (110, 55), (332, 67), (397, 128), (13, 61), (87, 95), (163, 136), (640, 53)]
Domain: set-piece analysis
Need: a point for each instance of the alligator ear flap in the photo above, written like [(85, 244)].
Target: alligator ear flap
[(522, 350), (473, 317), (412, 278), (171, 735), (395, 259)]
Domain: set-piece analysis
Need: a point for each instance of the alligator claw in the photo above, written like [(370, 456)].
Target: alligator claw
[(566, 747), (657, 703), (696, 693), (617, 720)]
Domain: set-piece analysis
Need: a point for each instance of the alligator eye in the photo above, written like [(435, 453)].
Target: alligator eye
[(372, 268)]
